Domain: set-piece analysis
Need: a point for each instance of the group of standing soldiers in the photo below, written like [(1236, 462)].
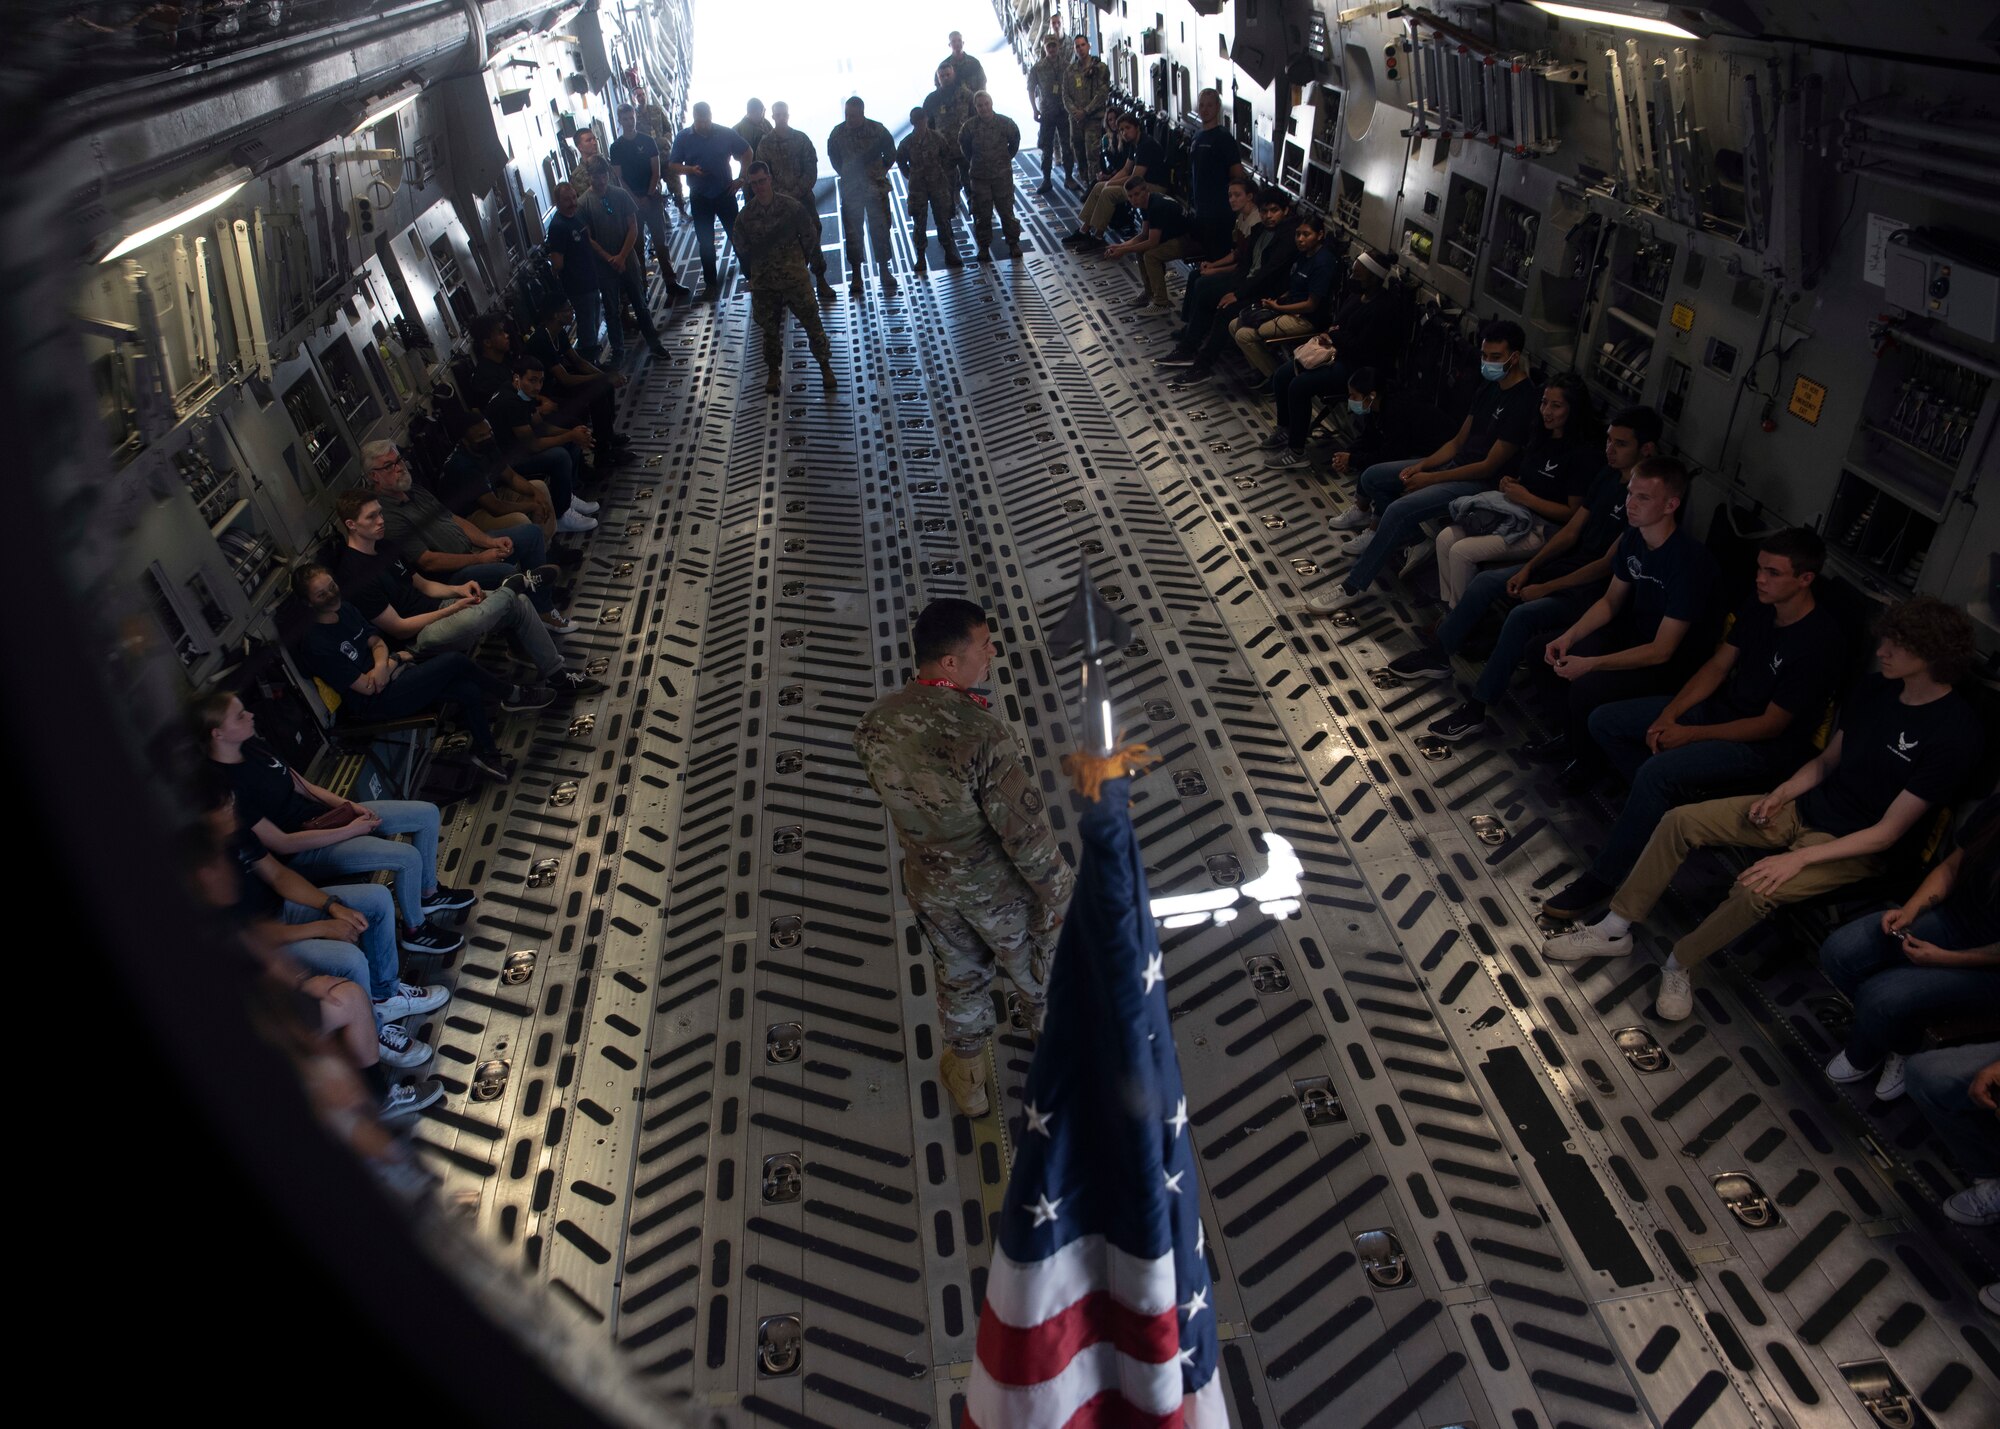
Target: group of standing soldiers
[(1070, 92)]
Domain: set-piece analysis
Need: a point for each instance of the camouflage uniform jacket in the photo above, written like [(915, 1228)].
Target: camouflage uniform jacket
[(990, 142), (969, 819), (1045, 84), (1087, 87), (752, 130), (861, 155), (793, 162), (971, 73), (653, 124), (928, 162), (949, 110), (771, 239)]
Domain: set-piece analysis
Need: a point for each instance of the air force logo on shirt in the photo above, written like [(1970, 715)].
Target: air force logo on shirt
[(1548, 468), (1776, 661), (347, 649), (1634, 571), (1903, 745)]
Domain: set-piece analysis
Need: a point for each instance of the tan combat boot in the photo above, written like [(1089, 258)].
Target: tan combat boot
[(965, 1079)]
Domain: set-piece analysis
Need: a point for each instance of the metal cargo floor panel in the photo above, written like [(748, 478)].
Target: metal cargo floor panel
[(720, 1134)]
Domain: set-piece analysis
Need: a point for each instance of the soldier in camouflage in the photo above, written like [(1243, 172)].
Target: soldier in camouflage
[(980, 863), (930, 168), (655, 125), (753, 126), (794, 165), (1086, 90), (861, 152), (773, 236), (1045, 96), (949, 106), (990, 142)]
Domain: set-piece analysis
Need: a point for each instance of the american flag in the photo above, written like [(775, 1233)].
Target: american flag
[(1098, 1308)]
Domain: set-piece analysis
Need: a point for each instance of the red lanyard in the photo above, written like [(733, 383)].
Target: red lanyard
[(979, 700)]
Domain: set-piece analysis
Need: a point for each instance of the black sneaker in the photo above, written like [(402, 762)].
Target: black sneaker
[(522, 583), (1179, 357), (573, 683), (1274, 440), (568, 556), (1195, 376), (1555, 747), (1418, 664), (426, 939), (889, 285), (497, 767), (1586, 893), (528, 697), (1074, 237), (1461, 724), (448, 900), (409, 1098)]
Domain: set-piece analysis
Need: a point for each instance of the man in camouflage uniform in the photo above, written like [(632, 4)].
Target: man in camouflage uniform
[(794, 166), (773, 235), (980, 863), (1086, 90), (753, 126), (971, 73), (930, 168), (655, 125), (1045, 96), (861, 152), (991, 141), (949, 106)]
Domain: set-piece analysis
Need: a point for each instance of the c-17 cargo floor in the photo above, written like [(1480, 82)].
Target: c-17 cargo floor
[(720, 1133)]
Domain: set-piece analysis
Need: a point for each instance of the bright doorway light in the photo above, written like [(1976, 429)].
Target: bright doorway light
[(1639, 15)]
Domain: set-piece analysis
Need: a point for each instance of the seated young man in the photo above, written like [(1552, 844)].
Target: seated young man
[(577, 388), (1165, 230), (1259, 268), (1554, 586), (436, 543), (1744, 720), (431, 617), (492, 339), (1133, 156), (539, 450), (477, 483), (340, 647), (1359, 339), (295, 819), (1635, 638), (346, 931), (1211, 278), (1305, 306), (1404, 494), (1906, 742), (1935, 956)]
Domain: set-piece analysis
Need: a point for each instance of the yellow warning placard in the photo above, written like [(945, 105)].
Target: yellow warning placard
[(1682, 317), (1807, 398)]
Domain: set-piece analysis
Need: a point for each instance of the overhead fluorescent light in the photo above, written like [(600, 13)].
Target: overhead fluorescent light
[(181, 211), (387, 107), (1647, 16)]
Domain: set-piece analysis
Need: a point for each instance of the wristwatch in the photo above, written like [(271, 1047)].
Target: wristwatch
[(331, 904)]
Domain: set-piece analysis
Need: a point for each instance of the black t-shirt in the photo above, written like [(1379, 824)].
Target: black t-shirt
[(633, 155), (1210, 158), (1887, 747), (1501, 414), (1975, 891), (372, 583), (489, 379), (264, 790), (1796, 667), (1167, 215), (510, 409), (553, 348), (339, 653), (570, 236), (1148, 155), (468, 476), (1670, 581), (256, 900), (1557, 470), (1604, 522)]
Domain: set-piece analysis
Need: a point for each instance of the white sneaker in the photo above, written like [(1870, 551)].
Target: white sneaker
[(1334, 601), (399, 1048), (588, 508), (573, 521), (1842, 1070), (1977, 1205), (406, 1099), (1676, 999), (1352, 519), (1422, 556), (1589, 941), (1891, 1085), (1989, 1298), (423, 999)]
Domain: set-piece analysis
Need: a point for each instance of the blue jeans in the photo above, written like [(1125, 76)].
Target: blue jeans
[(371, 962), (615, 289), (1705, 770), (1895, 999), (493, 573), (413, 863), (1938, 1083), (556, 468), (707, 210), (1397, 516), (589, 313)]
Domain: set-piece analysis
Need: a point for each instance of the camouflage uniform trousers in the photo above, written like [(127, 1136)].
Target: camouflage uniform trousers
[(768, 301), (864, 210), (1053, 135), (966, 941), (988, 193), (934, 205), (1086, 136)]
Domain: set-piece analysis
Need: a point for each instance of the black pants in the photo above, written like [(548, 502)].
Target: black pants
[(1603, 687), (594, 400), (1294, 389), (447, 679)]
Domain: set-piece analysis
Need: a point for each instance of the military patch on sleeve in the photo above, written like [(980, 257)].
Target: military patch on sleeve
[(1031, 800)]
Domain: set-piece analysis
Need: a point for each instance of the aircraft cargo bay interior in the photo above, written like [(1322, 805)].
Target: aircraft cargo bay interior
[(704, 709)]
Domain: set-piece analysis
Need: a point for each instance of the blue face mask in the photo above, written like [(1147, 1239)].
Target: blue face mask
[(1359, 409), (1493, 371)]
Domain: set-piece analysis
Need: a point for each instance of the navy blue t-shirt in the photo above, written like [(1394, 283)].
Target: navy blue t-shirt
[(712, 151), (1887, 747), (632, 155), (1795, 667), (1501, 414), (1167, 215), (1313, 278), (1213, 154), (339, 653), (1604, 522), (570, 236), (264, 790), (1148, 155), (1558, 470), (1670, 581)]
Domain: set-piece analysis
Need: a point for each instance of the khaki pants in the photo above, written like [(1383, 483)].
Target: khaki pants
[(1726, 823), (1100, 206), (1460, 556), (1153, 263), (1252, 340)]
